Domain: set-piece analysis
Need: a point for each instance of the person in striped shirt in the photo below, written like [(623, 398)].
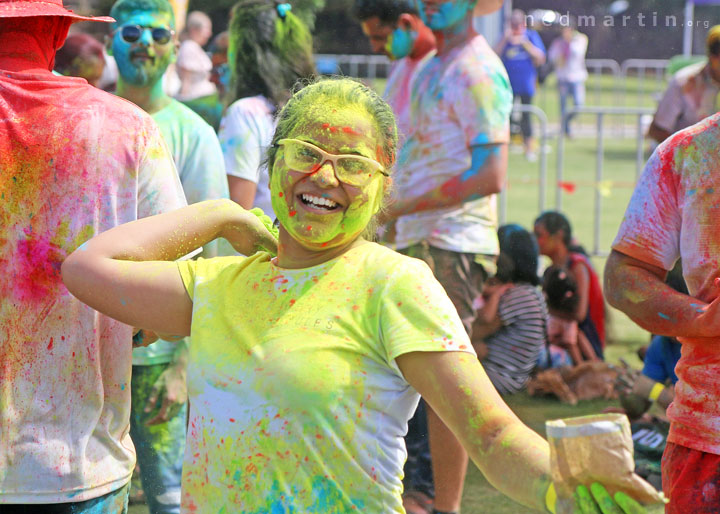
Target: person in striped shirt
[(509, 332)]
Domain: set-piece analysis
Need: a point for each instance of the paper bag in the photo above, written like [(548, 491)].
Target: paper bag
[(596, 448)]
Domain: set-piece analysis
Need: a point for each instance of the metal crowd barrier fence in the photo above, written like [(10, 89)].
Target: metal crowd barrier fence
[(360, 66), (542, 158), (642, 68), (600, 113), (596, 68)]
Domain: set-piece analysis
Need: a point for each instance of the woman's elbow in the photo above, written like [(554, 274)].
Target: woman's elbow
[(74, 272)]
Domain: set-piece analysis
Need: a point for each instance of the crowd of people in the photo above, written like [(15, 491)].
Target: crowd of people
[(355, 353)]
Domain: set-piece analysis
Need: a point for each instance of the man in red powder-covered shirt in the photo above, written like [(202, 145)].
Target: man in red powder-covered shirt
[(74, 162), (673, 214)]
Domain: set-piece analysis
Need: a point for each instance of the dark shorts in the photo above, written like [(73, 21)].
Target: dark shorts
[(115, 502), (458, 273), (691, 480)]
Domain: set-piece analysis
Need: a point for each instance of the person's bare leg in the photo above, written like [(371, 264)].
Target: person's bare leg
[(449, 462)]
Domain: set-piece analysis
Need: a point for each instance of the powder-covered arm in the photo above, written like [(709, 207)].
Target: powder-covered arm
[(486, 176), (127, 272), (512, 457), (638, 289)]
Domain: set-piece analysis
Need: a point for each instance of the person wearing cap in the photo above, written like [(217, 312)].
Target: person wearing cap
[(692, 94), (143, 44), (75, 161)]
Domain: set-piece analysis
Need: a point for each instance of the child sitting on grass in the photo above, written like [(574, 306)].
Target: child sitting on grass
[(561, 297)]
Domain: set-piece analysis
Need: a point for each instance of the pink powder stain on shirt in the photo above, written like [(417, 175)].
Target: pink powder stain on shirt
[(38, 263)]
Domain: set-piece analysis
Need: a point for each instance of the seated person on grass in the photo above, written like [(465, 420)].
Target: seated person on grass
[(561, 295), (509, 332)]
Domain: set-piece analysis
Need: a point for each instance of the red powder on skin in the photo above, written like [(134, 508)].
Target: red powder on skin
[(292, 213), (324, 245), (329, 127), (309, 227), (280, 194), (50, 344), (348, 130)]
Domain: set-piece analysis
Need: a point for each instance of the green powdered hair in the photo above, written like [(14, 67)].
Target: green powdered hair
[(338, 91), (268, 52), (125, 8)]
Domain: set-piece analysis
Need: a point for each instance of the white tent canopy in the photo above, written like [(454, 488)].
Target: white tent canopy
[(690, 22)]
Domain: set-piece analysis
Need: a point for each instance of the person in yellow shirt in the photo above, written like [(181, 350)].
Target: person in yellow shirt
[(304, 367)]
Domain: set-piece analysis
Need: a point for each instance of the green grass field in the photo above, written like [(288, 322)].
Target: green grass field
[(523, 206)]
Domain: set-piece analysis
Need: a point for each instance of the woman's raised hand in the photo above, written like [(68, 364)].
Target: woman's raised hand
[(251, 231)]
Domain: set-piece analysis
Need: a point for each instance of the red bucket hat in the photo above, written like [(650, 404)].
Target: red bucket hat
[(27, 8)]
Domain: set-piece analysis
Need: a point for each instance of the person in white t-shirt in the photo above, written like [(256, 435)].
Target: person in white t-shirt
[(261, 81), (567, 53), (450, 167)]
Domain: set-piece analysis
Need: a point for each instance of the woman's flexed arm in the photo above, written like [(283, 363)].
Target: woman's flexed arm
[(128, 272)]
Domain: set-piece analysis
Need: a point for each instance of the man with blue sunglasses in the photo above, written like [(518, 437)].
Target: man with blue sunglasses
[(144, 45)]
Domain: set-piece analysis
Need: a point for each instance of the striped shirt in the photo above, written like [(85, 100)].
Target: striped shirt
[(514, 349)]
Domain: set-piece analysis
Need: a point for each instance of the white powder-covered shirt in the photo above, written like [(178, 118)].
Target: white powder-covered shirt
[(75, 161), (459, 100), (246, 131), (673, 214), (398, 89)]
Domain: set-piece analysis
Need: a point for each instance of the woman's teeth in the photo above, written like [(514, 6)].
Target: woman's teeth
[(317, 201)]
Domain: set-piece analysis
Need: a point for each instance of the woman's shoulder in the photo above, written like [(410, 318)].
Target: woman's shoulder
[(382, 264)]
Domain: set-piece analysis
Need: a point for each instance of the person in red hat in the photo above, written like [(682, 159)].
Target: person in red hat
[(74, 162)]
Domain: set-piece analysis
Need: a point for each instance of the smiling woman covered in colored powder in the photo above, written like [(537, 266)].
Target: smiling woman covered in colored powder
[(305, 367)]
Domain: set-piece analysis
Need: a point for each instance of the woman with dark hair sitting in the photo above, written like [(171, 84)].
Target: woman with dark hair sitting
[(512, 322), (554, 237)]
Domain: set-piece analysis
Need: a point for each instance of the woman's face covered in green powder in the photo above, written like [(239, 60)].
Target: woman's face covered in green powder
[(316, 209)]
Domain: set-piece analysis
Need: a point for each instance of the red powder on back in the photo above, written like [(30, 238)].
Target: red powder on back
[(38, 264), (348, 130)]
